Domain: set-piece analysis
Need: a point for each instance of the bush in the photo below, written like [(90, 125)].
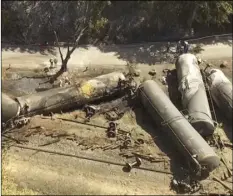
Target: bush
[(197, 49)]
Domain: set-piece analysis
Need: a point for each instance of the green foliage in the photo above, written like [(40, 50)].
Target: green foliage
[(214, 12), (98, 24), (122, 21)]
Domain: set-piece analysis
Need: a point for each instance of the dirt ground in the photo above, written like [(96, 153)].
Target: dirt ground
[(87, 170)]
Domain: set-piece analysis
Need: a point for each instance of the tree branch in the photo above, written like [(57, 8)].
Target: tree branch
[(58, 46), (68, 48), (77, 40)]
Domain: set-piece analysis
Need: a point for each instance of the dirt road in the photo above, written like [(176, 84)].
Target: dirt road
[(107, 56)]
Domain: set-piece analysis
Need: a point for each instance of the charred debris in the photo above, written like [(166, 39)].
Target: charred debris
[(115, 93)]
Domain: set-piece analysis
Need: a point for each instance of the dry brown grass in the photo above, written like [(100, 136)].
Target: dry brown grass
[(8, 185)]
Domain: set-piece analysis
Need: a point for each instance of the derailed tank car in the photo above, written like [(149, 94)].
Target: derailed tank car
[(62, 98), (221, 91), (10, 108), (189, 141), (194, 98)]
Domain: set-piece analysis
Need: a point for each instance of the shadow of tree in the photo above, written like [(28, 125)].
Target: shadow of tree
[(156, 53), (141, 53), (32, 49)]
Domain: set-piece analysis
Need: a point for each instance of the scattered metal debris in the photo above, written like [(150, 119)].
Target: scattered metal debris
[(21, 122), (180, 186), (112, 131), (85, 123), (130, 166), (127, 141), (222, 183), (150, 157), (114, 114), (140, 141), (216, 141), (90, 111), (229, 174), (228, 144), (185, 186)]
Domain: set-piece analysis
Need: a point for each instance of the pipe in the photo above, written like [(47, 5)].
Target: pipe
[(10, 108), (189, 141), (221, 91), (194, 98)]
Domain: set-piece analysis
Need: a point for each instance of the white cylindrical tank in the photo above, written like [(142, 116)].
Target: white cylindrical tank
[(194, 98), (188, 141), (221, 91)]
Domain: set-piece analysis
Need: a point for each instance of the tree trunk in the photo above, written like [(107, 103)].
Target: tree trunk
[(64, 67), (191, 19), (64, 63)]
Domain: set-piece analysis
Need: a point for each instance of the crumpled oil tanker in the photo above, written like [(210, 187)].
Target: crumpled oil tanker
[(10, 108), (61, 98), (194, 97), (188, 140), (221, 91)]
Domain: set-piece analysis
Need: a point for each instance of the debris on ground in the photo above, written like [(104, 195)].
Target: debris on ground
[(163, 80), (152, 72), (90, 111), (223, 64), (130, 166)]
